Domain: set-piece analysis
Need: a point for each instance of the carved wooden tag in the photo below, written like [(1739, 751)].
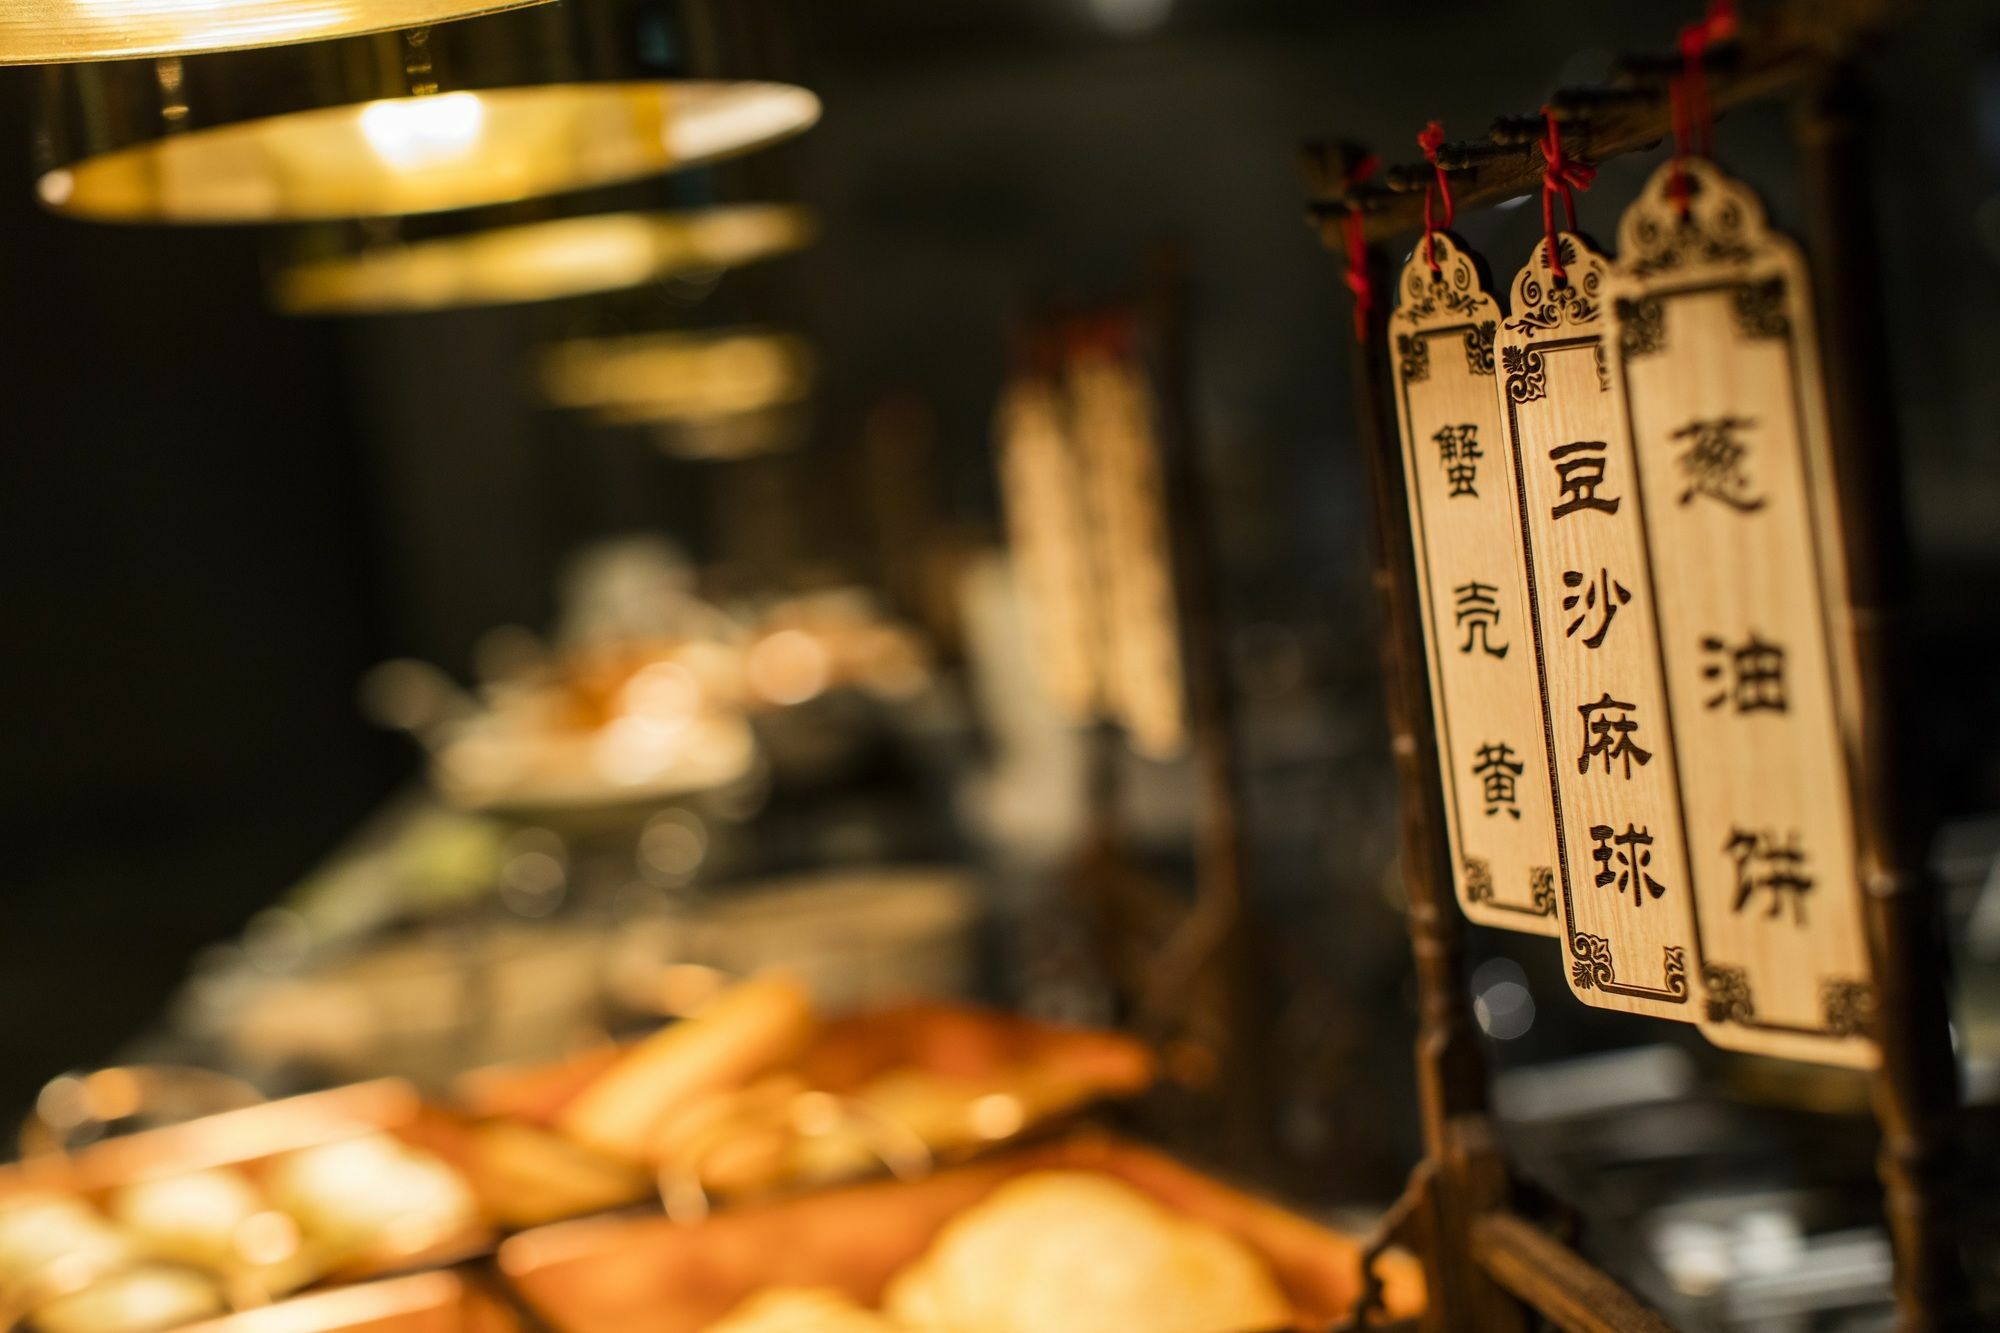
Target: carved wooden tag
[(1466, 526), (1717, 356), (1628, 906), (1042, 481)]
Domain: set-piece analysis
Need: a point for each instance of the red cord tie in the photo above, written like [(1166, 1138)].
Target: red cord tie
[(1687, 94), (1430, 141), (1357, 251), (1564, 177)]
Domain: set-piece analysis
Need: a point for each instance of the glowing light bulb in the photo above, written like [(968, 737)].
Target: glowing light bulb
[(412, 133)]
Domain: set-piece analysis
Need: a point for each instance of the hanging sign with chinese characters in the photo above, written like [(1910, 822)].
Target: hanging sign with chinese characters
[(1117, 438), (1042, 481), (1479, 644), (1716, 356), (1628, 908)]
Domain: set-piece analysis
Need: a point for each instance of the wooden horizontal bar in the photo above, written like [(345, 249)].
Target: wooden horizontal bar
[(1772, 54), (1550, 1277)]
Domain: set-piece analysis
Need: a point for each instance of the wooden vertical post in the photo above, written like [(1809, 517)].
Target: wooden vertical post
[(1468, 1177), (1916, 1089)]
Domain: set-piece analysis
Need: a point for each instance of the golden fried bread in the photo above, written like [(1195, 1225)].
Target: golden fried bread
[(746, 1030), (139, 1300), (355, 1194), (1080, 1252)]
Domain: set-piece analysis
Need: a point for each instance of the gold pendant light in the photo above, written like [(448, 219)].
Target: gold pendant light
[(541, 260), (491, 110), (716, 395), (49, 32), (651, 378)]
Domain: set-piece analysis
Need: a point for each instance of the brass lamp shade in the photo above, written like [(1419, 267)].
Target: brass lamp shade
[(492, 110), (538, 261), (678, 377), (49, 32)]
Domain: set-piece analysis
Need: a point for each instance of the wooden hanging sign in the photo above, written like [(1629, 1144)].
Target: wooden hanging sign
[(1478, 640), (1717, 359), (1117, 437), (1627, 901), (1042, 481)]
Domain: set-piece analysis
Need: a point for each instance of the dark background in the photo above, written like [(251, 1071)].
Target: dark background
[(212, 519)]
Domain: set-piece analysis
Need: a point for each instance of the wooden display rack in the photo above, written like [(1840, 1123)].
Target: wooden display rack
[(1489, 1266), (1175, 965)]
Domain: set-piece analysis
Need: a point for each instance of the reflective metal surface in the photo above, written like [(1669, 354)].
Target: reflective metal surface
[(678, 376), (539, 261), (43, 32), (493, 110)]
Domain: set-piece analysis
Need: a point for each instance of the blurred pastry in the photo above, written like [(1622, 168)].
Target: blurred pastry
[(942, 1080), (527, 1176), (1083, 1253), (52, 1243), (802, 1310), (190, 1218), (960, 1077), (736, 1142), (951, 1114), (138, 1300), (746, 1030), (371, 1193), (532, 1092), (216, 1220)]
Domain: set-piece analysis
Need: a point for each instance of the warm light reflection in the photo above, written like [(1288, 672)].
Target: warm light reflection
[(686, 987), (672, 848), (113, 1094), (789, 667), (39, 32), (267, 1237), (427, 154), (997, 1115), (662, 377), (634, 749), (216, 24), (666, 691), (718, 119), (413, 134), (539, 261), (55, 188)]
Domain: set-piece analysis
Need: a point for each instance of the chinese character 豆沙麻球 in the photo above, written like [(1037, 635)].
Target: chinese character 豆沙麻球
[(1609, 730), (1624, 859), (1601, 597), (1579, 472)]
